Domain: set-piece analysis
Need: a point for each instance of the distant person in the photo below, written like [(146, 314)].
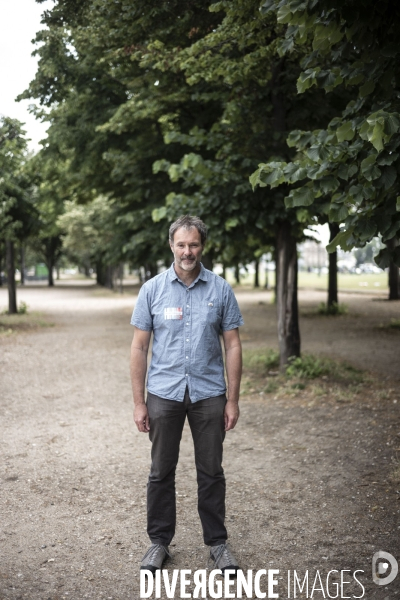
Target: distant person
[(186, 307)]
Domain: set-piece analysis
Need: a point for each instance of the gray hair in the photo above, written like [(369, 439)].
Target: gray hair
[(188, 222)]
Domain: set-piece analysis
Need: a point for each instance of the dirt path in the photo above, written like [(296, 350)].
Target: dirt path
[(308, 483)]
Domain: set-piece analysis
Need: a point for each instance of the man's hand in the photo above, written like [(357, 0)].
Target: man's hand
[(231, 415), (141, 418)]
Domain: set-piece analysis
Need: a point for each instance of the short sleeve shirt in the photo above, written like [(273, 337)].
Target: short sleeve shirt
[(186, 323)]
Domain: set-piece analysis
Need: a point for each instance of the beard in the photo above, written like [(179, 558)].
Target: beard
[(187, 263)]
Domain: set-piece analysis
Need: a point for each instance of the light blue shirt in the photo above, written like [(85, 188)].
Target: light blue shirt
[(186, 323)]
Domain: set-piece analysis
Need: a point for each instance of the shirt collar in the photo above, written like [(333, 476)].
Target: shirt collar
[(203, 275)]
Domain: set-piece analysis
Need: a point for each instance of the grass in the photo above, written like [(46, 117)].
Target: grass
[(22, 321), (319, 375), (332, 310), (394, 324)]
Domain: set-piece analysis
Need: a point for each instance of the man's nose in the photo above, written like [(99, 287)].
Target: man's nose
[(186, 250)]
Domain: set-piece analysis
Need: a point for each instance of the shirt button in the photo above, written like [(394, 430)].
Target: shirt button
[(187, 323), (187, 305), (186, 374), (187, 339), (187, 357)]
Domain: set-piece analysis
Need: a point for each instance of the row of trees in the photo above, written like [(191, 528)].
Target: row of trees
[(170, 109)]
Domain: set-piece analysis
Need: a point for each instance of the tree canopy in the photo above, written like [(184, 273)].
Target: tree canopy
[(353, 162)]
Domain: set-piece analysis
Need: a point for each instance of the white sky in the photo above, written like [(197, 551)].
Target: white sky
[(19, 22)]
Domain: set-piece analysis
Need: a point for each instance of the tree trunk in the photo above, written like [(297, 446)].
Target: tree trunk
[(332, 277), (22, 265), (287, 306), (257, 273), (151, 270), (51, 278), (393, 277), (276, 275), (109, 277), (237, 273), (58, 272), (100, 280), (266, 284), (10, 264), (223, 274), (121, 277), (2, 249)]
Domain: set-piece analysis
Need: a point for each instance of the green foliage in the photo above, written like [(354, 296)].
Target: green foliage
[(308, 367), (261, 360), (353, 162), (17, 214), (332, 309), (22, 308)]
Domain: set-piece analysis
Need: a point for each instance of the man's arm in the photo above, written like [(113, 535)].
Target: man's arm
[(139, 349), (233, 364)]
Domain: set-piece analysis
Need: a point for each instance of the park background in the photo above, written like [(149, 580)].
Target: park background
[(278, 124)]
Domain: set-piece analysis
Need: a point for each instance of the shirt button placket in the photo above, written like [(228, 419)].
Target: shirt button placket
[(187, 334)]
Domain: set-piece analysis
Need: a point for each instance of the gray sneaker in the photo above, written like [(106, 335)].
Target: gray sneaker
[(223, 558), (154, 557)]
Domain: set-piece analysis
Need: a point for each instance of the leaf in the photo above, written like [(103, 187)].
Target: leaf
[(255, 178), (366, 229), (369, 168), (231, 223), (345, 132), (376, 138), (338, 213), (286, 45), (392, 124), (273, 178), (284, 14), (343, 172), (388, 177), (303, 196), (307, 79), (383, 258), (340, 240), (367, 88), (159, 213), (268, 6), (328, 184), (352, 170), (295, 172), (386, 158)]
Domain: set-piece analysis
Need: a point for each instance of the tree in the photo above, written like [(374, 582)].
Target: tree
[(16, 212), (108, 114), (354, 161), (256, 87)]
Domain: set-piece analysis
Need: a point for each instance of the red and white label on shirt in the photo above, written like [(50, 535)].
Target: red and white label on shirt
[(173, 313)]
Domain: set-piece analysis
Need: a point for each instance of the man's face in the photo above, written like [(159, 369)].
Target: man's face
[(187, 248)]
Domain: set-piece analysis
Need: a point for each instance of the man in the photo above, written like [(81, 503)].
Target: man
[(186, 308)]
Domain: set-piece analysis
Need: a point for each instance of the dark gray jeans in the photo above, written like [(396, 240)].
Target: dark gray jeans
[(206, 420)]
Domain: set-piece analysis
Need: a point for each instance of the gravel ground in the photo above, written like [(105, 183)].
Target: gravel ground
[(309, 483)]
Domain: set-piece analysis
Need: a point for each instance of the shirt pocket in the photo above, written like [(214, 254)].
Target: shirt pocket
[(210, 312)]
